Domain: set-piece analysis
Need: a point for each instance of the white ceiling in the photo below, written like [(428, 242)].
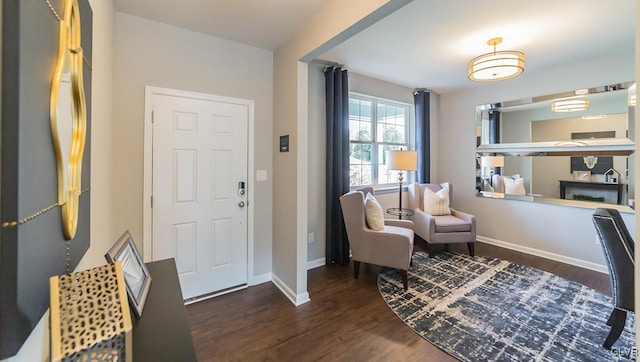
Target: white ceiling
[(261, 23), (427, 43)]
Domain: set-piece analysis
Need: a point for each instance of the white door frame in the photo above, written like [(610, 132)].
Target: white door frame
[(147, 212)]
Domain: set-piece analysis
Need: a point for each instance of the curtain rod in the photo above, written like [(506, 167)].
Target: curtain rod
[(342, 67), (328, 63)]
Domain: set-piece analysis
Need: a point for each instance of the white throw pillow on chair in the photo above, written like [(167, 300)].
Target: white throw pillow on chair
[(436, 203), (373, 213)]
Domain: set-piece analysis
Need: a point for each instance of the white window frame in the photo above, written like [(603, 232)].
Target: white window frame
[(409, 176)]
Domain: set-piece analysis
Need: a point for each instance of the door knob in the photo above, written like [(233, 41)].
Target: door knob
[(241, 204)]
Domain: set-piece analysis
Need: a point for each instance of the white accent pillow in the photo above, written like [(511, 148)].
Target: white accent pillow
[(436, 203), (514, 187), (373, 213)]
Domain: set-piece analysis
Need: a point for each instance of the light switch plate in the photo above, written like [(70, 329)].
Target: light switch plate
[(261, 175)]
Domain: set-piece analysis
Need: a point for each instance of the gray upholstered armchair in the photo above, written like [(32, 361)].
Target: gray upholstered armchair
[(390, 247), (459, 227)]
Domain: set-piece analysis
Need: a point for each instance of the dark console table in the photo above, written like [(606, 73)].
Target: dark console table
[(619, 188), (162, 333)]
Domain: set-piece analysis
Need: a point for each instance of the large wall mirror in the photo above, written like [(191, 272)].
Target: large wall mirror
[(574, 148)]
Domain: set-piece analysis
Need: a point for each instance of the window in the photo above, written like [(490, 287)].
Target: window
[(375, 126)]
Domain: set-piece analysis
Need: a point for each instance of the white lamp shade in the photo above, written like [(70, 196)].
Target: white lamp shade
[(492, 161), (402, 160)]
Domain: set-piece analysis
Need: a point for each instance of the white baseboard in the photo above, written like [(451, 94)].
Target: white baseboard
[(545, 254), (315, 263), (296, 299), (259, 279)]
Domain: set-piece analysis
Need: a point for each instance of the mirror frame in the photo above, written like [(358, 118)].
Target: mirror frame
[(629, 86), (70, 53)]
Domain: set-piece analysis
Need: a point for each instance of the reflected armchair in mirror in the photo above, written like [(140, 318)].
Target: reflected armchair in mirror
[(512, 185)]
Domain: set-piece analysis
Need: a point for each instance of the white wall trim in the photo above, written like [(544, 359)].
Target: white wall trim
[(259, 279), (298, 299), (302, 175), (545, 254), (316, 263), (147, 215)]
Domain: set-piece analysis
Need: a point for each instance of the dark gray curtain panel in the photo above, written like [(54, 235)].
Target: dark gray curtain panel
[(494, 133), (337, 182), (423, 133)]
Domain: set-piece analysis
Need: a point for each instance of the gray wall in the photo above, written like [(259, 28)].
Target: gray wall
[(550, 229), (337, 21), (151, 53)]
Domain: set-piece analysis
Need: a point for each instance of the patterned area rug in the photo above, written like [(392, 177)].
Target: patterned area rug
[(485, 309)]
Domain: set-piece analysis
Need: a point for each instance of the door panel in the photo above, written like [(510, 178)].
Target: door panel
[(184, 246), (185, 184), (222, 236)]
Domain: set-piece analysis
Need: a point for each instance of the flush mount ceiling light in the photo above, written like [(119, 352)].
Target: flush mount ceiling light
[(498, 65), (569, 105)]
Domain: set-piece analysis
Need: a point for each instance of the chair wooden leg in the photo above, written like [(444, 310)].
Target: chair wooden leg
[(471, 248), (610, 320), (430, 250), (356, 269), (405, 282), (618, 318)]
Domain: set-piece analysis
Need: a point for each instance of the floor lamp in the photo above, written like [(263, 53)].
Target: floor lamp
[(399, 160)]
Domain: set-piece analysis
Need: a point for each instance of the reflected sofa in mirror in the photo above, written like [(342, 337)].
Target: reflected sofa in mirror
[(582, 157)]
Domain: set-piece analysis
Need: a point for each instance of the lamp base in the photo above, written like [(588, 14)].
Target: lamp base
[(400, 179)]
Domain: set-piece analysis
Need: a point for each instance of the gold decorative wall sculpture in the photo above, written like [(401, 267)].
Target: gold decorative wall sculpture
[(69, 143)]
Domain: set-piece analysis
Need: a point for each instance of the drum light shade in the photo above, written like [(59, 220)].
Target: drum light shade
[(498, 65), (570, 105)]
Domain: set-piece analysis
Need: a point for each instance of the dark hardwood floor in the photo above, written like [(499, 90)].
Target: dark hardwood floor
[(346, 318)]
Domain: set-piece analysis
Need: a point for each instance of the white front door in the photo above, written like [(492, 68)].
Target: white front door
[(199, 191)]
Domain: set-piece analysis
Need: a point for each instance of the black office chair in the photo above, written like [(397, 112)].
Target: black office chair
[(617, 246)]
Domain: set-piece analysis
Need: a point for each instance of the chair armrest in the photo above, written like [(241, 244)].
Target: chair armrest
[(408, 224), (424, 225), (464, 216), (471, 219)]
